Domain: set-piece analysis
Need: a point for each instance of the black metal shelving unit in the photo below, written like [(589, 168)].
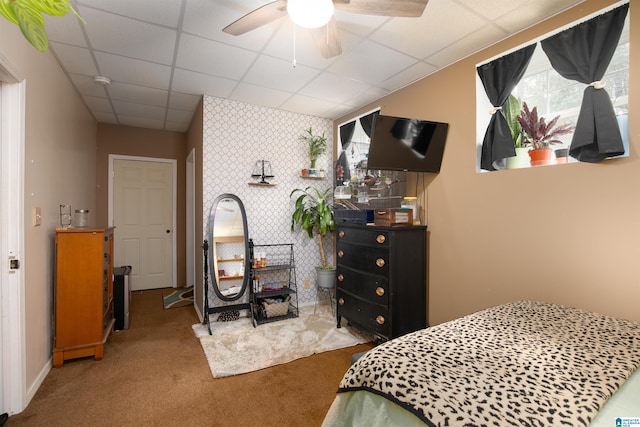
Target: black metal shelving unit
[(274, 279)]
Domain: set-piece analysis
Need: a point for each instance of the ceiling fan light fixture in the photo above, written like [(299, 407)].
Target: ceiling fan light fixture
[(310, 13)]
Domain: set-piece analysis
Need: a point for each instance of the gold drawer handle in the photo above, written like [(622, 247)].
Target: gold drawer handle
[(340, 277), (380, 320), (380, 291), (341, 233), (380, 238), (380, 262), (341, 301), (340, 253)]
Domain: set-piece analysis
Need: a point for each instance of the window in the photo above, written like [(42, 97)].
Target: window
[(553, 95)]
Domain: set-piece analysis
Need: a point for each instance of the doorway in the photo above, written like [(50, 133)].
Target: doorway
[(12, 328), (142, 207)]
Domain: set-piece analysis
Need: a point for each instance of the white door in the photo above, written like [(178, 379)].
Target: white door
[(143, 214), (12, 334)]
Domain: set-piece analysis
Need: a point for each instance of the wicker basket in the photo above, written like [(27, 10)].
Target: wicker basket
[(276, 309)]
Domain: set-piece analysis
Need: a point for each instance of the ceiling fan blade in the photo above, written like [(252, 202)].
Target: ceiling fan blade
[(327, 39), (257, 18), (400, 8)]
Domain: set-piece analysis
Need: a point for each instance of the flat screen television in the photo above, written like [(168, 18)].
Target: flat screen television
[(399, 143)]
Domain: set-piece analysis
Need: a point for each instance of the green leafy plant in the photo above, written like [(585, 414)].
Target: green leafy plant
[(314, 214), (27, 14), (511, 110), (538, 133), (317, 145)]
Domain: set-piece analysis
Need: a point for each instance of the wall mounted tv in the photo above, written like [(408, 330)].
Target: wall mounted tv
[(399, 143)]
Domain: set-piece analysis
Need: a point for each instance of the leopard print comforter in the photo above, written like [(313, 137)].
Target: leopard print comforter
[(524, 363)]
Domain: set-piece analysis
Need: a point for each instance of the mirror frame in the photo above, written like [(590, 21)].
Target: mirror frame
[(213, 264)]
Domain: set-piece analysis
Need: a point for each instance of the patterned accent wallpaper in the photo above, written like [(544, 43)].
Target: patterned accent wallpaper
[(236, 135)]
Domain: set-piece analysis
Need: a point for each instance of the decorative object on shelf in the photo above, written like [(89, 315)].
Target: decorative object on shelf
[(81, 218), (314, 213), (317, 146), (562, 155), (540, 135), (65, 216), (304, 173), (262, 170)]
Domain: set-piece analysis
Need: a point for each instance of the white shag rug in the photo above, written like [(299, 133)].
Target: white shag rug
[(237, 347)]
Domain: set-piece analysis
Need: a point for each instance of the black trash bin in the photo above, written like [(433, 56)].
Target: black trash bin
[(121, 297)]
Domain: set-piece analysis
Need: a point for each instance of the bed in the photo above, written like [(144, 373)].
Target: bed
[(525, 363)]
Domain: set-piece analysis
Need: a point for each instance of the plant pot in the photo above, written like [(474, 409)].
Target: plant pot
[(305, 172), (540, 157), (520, 160), (561, 155), (325, 279)]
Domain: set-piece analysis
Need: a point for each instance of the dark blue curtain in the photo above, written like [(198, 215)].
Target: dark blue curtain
[(583, 53), (499, 78)]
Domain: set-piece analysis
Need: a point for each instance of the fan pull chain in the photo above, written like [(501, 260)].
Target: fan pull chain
[(294, 46)]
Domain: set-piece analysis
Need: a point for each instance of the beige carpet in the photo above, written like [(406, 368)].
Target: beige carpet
[(237, 347)]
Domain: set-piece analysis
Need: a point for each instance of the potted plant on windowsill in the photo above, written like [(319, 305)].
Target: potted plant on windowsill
[(539, 134), (317, 146), (314, 214), (511, 110)]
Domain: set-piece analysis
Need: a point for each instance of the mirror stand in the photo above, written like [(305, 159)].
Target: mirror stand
[(219, 309)]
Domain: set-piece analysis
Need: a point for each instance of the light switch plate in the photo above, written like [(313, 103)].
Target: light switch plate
[(36, 216)]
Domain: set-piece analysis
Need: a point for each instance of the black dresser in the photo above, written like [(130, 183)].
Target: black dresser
[(381, 271)]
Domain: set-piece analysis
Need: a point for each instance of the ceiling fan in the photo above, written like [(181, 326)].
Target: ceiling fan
[(326, 35)]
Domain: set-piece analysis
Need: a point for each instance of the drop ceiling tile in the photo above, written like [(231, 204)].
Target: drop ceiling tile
[(77, 60), (366, 97), (154, 11), (215, 58), (138, 94), (333, 88), (129, 37), (98, 104), (371, 63), (307, 105), (409, 75), (207, 18), (138, 110), (133, 71), (358, 24), (442, 23), (258, 95), (493, 9), (105, 117), (86, 86), (65, 29), (194, 83), (532, 13), (183, 101), (466, 46), (141, 122), (279, 74)]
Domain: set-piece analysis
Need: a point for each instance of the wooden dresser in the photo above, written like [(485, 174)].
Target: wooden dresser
[(83, 294), (381, 272)]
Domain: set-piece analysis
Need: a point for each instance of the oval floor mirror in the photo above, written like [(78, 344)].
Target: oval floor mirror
[(227, 253)]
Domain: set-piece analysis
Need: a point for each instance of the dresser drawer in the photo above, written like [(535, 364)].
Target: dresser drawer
[(363, 236), (370, 259), (367, 315), (371, 287)]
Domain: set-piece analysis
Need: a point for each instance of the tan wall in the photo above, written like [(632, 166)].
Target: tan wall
[(132, 141), (194, 142), (566, 234), (60, 156)]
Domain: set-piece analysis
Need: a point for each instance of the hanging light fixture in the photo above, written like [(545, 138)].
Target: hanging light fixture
[(310, 13)]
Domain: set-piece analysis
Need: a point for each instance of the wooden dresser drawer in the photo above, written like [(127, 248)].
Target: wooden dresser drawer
[(363, 236), (372, 317), (371, 287), (371, 259)]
